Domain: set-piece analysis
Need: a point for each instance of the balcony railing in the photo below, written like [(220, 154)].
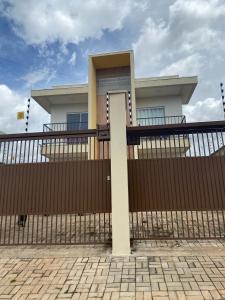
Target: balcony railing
[(140, 122), (161, 120), (65, 126)]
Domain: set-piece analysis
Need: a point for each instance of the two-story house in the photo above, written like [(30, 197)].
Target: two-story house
[(153, 101)]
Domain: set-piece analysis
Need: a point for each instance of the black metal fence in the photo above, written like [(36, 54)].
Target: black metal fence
[(161, 120), (177, 181), (71, 126), (53, 191)]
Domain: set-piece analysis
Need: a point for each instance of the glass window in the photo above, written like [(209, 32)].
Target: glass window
[(150, 116), (77, 121)]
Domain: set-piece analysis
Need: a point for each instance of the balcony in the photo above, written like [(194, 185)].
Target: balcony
[(75, 147), (161, 120), (65, 126), (162, 146)]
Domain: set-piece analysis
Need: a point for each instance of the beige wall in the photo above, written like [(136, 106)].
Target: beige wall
[(91, 95), (172, 104), (119, 175), (133, 96)]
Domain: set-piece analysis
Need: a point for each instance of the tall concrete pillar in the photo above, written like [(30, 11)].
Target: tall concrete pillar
[(119, 174)]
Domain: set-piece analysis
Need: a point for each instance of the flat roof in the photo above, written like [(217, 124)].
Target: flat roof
[(61, 95), (144, 88), (166, 86)]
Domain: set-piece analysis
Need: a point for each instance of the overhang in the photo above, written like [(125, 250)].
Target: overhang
[(111, 60), (166, 86), (61, 95)]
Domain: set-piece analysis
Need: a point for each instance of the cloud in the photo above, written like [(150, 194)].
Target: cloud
[(36, 76), (209, 109), (188, 65), (12, 102), (193, 31), (73, 59), (71, 21)]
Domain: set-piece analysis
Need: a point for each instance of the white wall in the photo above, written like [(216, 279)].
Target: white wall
[(172, 104), (59, 111)]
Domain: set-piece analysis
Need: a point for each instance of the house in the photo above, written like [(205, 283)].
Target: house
[(151, 101)]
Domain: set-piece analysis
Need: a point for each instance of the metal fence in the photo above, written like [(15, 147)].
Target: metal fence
[(161, 120), (54, 188), (71, 126), (177, 181)]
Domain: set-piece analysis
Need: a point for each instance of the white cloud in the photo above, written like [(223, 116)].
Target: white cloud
[(192, 32), (188, 65), (209, 109), (36, 76), (46, 21), (12, 102), (203, 10), (73, 59)]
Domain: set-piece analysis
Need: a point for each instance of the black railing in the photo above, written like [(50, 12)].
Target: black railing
[(161, 120), (182, 169), (60, 194), (65, 126)]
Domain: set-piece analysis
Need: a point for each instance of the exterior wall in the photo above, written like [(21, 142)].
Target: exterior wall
[(173, 107), (133, 96), (172, 104), (110, 79), (59, 111), (92, 106)]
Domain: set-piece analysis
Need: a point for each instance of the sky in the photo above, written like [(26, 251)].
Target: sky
[(47, 42)]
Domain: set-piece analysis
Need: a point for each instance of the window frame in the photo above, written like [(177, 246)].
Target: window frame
[(80, 119), (145, 120)]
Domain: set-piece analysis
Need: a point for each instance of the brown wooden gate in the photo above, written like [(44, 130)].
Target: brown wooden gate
[(54, 189), (177, 182)]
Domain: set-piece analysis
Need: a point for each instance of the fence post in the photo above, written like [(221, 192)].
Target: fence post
[(119, 174)]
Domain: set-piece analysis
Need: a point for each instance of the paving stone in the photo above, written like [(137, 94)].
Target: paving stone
[(111, 278)]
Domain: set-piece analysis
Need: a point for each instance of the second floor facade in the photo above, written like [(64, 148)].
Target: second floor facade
[(150, 101)]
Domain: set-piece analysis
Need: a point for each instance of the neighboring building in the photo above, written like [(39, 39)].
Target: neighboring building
[(1, 151), (154, 101)]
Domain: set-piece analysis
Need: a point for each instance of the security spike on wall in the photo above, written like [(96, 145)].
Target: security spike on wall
[(222, 97), (27, 116), (107, 108), (130, 107)]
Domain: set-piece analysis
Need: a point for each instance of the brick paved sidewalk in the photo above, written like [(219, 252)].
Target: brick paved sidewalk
[(105, 277)]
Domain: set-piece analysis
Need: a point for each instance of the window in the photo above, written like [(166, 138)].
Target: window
[(150, 116), (77, 121)]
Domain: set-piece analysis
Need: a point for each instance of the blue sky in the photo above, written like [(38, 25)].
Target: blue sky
[(47, 42)]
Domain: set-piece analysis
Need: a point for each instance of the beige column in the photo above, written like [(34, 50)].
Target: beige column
[(119, 175)]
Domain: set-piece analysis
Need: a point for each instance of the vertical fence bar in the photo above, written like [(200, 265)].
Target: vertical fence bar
[(190, 172)]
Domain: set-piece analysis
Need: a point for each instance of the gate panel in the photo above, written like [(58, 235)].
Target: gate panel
[(177, 181), (176, 184), (54, 189), (57, 187)]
